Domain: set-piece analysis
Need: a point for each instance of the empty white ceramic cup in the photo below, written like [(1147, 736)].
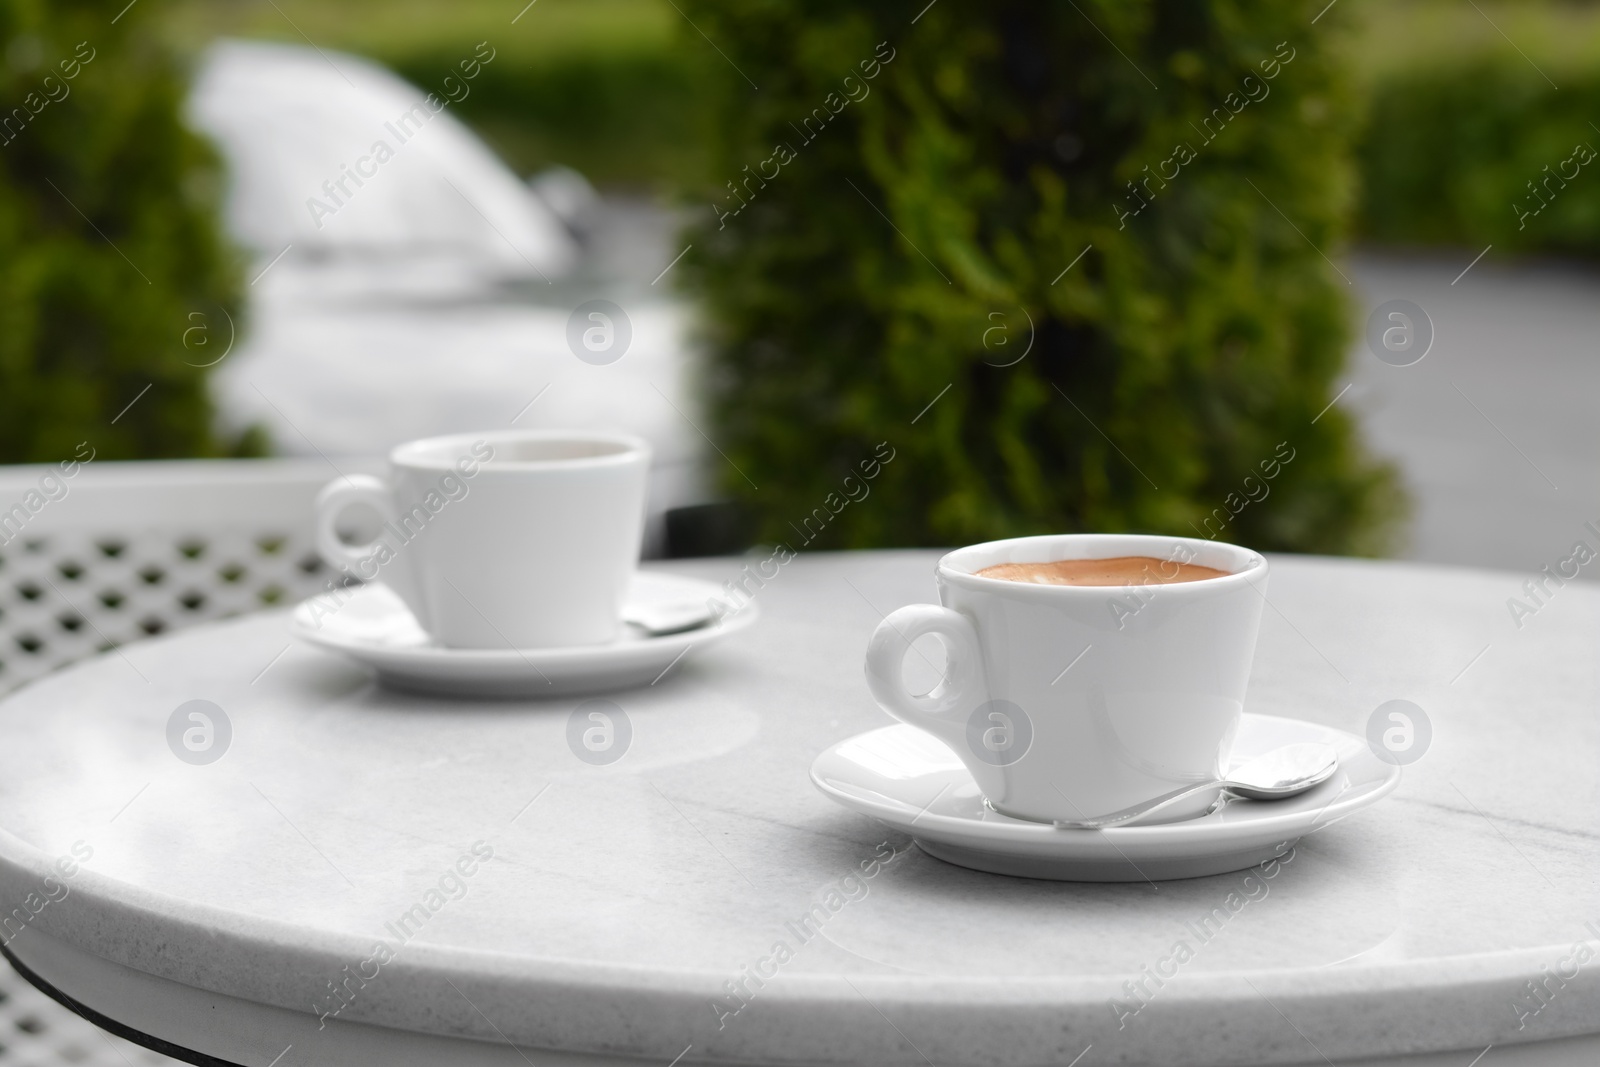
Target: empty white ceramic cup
[(1073, 702), (522, 539)]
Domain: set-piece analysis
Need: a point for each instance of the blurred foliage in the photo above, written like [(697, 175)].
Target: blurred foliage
[(108, 241), (1395, 37), (1460, 121), (1468, 139), (1192, 343), (621, 117), (609, 87)]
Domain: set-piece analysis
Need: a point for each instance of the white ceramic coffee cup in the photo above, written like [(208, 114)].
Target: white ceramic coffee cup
[(524, 539), (1072, 702)]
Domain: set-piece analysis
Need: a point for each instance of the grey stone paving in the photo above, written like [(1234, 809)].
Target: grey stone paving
[(1497, 428)]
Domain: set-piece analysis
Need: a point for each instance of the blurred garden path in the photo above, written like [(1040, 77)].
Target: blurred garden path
[(1497, 429)]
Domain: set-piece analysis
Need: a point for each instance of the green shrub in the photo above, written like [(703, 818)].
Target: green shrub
[(108, 241), (1484, 151), (1462, 120), (623, 115), (1194, 342)]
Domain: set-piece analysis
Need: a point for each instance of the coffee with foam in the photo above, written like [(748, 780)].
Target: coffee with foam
[(1115, 571)]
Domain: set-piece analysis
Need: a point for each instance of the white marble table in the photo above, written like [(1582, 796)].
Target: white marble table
[(620, 902)]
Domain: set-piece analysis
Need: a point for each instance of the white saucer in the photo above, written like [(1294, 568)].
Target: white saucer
[(373, 626), (910, 781)]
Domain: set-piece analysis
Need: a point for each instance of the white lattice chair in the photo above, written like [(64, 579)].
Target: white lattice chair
[(132, 550)]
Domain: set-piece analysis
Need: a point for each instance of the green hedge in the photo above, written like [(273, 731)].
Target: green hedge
[(108, 241), (1193, 348), (628, 115), (1459, 122), (1450, 152)]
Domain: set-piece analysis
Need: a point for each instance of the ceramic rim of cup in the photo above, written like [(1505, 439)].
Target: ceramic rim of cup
[(442, 453), (958, 566)]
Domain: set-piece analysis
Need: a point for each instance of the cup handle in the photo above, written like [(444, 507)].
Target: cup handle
[(943, 711), (332, 501)]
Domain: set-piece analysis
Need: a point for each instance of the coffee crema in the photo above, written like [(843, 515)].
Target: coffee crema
[(1117, 570)]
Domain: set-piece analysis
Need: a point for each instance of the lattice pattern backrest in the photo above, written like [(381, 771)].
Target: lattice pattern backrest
[(135, 550), (70, 594)]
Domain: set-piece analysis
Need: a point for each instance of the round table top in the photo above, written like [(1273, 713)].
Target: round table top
[(522, 893)]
